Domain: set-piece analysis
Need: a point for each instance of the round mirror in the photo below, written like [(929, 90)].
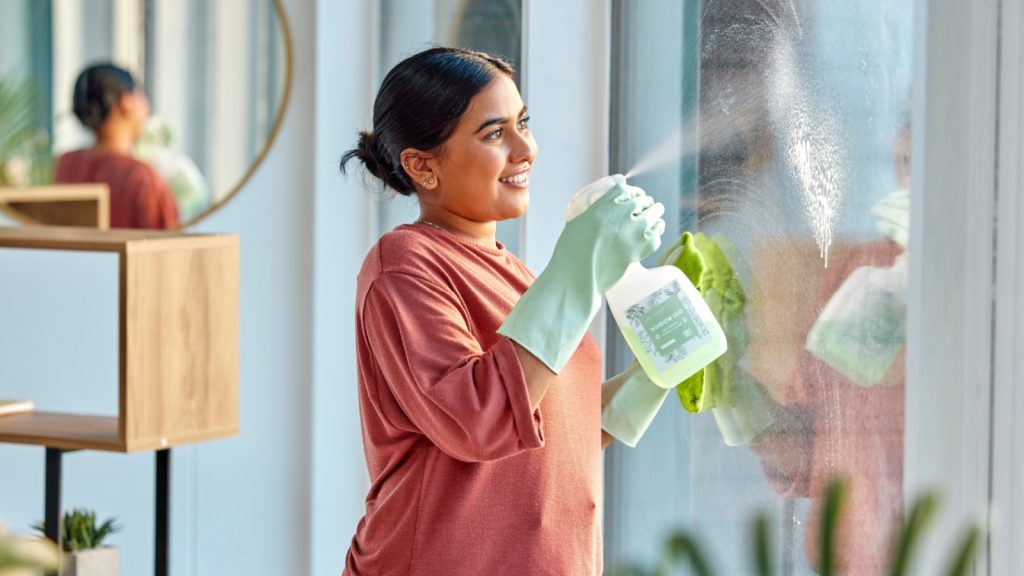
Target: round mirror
[(217, 76)]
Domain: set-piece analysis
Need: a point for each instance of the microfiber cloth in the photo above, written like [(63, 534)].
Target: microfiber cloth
[(741, 408), (704, 263)]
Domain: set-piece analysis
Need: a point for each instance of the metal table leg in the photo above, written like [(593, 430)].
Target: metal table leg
[(163, 516), (51, 517)]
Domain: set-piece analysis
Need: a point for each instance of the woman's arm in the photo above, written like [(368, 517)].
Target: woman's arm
[(538, 376), (472, 403)]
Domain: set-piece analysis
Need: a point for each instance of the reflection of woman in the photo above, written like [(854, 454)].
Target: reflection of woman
[(480, 400), (108, 101)]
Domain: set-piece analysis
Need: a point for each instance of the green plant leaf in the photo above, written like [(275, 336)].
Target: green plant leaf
[(80, 532), (18, 107), (964, 556), (834, 498), (921, 515), (762, 545), (680, 547)]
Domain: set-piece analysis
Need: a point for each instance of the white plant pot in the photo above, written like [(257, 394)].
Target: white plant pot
[(104, 561)]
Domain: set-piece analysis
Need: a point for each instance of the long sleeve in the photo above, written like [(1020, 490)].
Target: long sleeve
[(155, 205), (472, 403)]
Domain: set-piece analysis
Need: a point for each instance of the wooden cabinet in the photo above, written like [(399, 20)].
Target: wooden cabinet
[(177, 341)]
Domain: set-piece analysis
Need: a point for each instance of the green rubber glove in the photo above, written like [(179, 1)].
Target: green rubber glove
[(629, 400), (622, 226)]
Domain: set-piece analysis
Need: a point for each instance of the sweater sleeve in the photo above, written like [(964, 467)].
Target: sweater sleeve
[(155, 205), (471, 403)]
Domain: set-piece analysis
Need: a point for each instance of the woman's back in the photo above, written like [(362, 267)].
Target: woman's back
[(139, 196)]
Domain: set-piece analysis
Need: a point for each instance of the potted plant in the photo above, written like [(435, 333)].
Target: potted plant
[(682, 548), (26, 557), (82, 540)]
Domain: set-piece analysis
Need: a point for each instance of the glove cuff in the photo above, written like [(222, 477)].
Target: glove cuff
[(630, 401), (551, 318)]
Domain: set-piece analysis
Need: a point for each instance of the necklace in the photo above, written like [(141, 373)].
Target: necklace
[(428, 223)]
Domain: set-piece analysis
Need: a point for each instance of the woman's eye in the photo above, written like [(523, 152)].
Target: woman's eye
[(524, 123), (495, 134)]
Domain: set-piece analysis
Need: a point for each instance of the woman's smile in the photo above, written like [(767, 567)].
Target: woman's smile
[(519, 179)]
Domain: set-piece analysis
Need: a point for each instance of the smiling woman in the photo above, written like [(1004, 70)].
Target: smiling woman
[(217, 75), (479, 386)]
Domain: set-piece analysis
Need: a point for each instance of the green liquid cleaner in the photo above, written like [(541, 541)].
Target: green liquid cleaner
[(662, 316), (665, 322)]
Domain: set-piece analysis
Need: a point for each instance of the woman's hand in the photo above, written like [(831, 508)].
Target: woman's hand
[(629, 402), (623, 226)]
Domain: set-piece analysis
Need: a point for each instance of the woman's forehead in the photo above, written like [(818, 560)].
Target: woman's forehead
[(500, 98)]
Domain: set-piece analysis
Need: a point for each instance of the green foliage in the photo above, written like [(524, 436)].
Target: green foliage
[(80, 530), (17, 556), (680, 547), (17, 113), (25, 154)]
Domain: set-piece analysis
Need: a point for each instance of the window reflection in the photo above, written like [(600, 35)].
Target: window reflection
[(787, 135)]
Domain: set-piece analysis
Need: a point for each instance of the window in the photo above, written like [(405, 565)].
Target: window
[(780, 131)]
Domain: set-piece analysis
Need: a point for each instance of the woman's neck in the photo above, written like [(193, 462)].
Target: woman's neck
[(482, 233), (114, 141)]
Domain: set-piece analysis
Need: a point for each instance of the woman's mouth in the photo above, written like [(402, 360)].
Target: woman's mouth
[(521, 180)]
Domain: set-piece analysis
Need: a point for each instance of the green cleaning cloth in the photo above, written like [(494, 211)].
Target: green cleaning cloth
[(741, 408), (705, 264)]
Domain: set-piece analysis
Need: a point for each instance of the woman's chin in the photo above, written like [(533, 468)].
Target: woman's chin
[(518, 210)]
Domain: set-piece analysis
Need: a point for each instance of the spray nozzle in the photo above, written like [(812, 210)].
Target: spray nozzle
[(590, 193)]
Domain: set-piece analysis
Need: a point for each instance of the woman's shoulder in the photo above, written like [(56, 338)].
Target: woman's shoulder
[(124, 162), (410, 251)]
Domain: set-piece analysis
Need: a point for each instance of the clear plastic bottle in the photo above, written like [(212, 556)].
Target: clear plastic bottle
[(662, 316)]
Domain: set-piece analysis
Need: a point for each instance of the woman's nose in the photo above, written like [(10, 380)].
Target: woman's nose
[(524, 148)]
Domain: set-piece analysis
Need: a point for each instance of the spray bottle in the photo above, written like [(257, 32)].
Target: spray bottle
[(662, 316)]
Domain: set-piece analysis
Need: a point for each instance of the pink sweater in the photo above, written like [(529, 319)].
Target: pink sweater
[(465, 478)]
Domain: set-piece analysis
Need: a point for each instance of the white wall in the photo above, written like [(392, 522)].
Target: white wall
[(344, 223), (566, 88)]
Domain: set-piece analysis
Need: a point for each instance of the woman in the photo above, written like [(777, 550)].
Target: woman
[(108, 101), (479, 389)]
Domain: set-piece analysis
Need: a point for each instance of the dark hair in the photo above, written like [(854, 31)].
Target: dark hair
[(97, 90), (419, 105)]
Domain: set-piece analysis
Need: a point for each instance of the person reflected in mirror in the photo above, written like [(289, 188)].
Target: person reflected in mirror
[(479, 385), (110, 103)]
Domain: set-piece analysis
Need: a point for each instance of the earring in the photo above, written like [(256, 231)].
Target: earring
[(429, 181)]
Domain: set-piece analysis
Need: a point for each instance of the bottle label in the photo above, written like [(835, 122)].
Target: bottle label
[(667, 325)]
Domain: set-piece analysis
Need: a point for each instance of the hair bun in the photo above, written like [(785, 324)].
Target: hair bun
[(368, 152), (375, 157)]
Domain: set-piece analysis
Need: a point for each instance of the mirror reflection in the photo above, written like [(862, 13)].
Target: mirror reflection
[(170, 103)]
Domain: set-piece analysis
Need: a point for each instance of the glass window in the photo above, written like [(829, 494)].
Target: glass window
[(408, 26), (779, 131)]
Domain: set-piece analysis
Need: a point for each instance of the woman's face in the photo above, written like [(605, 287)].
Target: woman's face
[(139, 110), (483, 170)]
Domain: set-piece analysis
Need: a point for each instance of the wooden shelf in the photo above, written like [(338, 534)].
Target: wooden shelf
[(85, 205), (65, 431), (177, 341), (91, 240)]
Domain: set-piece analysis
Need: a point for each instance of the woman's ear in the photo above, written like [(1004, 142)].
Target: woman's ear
[(419, 166)]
